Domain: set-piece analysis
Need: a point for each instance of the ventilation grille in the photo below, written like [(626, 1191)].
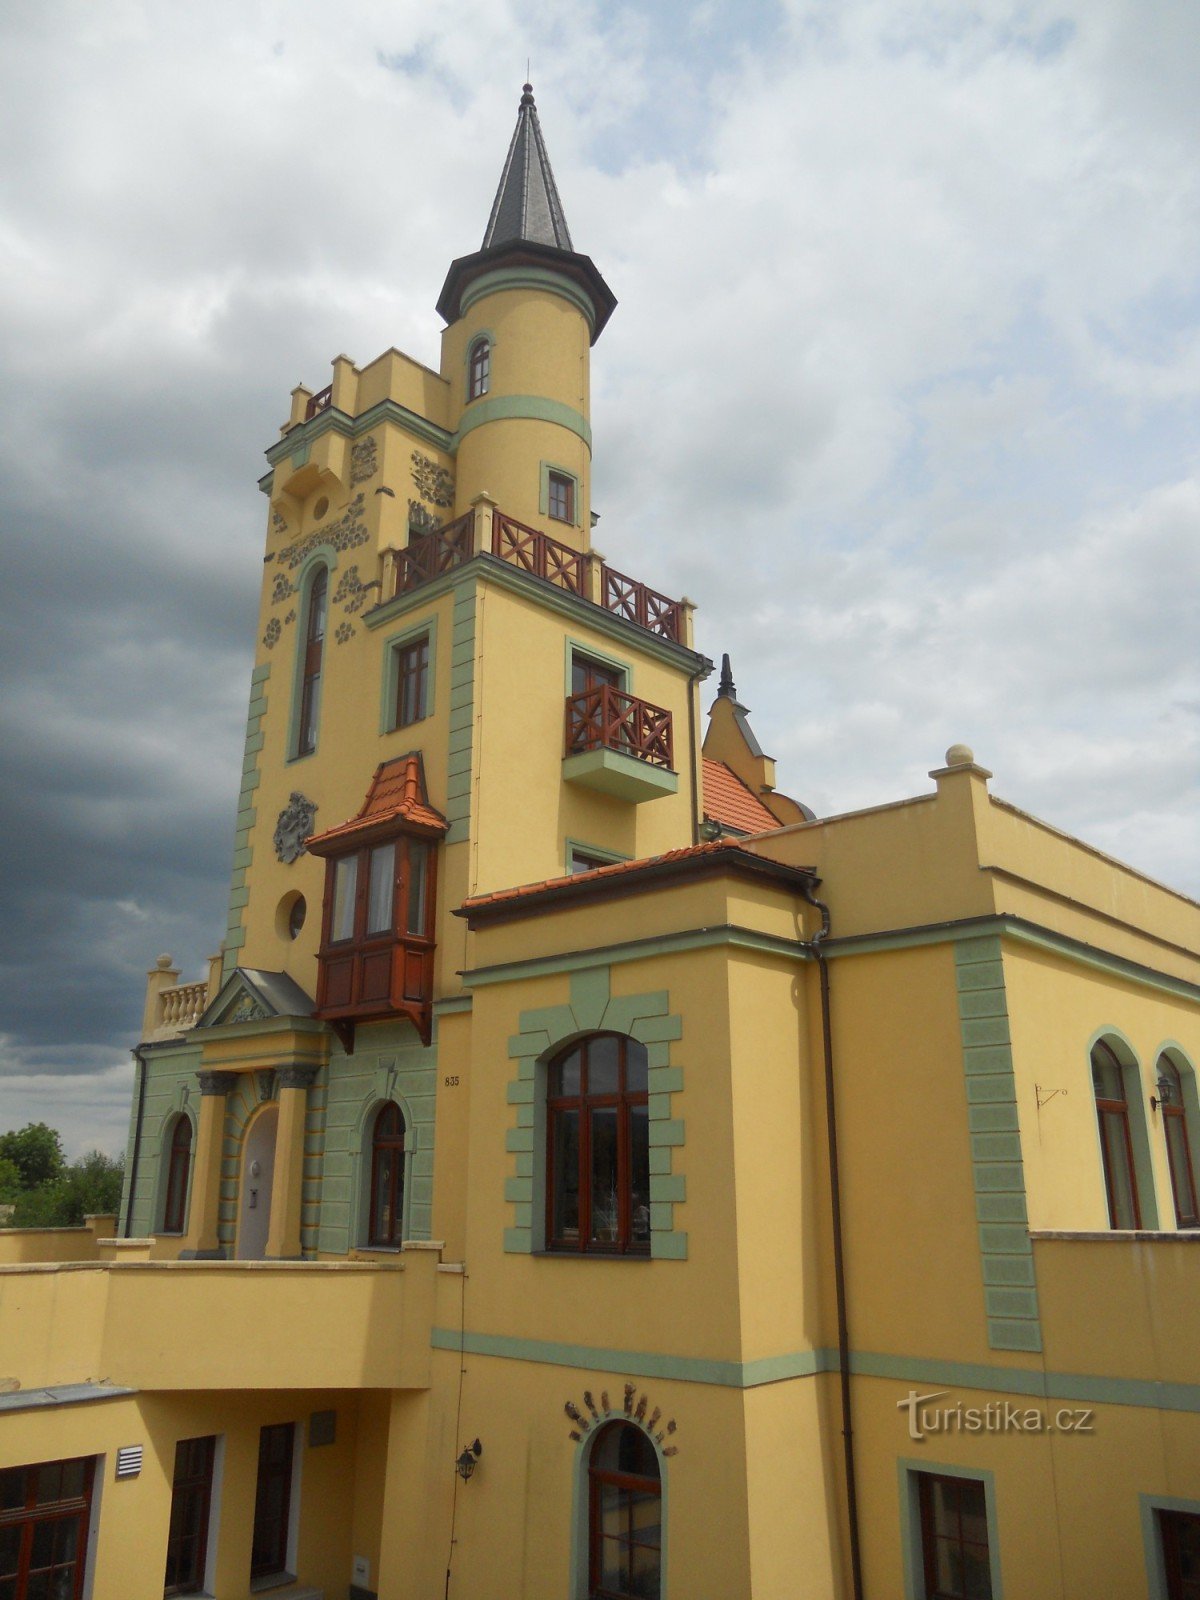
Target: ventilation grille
[(129, 1461)]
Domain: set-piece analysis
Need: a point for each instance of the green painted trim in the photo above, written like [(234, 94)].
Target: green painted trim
[(729, 935), (522, 408), (578, 647), (235, 936), (625, 777), (545, 468), (333, 421), (392, 647), (591, 1008), (580, 1581), (462, 707), (910, 1471), (324, 555), (545, 278), (570, 846), (1011, 1314), (479, 333), (1148, 1506), (636, 1363), (1020, 931), (453, 1003)]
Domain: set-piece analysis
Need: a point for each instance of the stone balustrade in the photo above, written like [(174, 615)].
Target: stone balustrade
[(172, 1008)]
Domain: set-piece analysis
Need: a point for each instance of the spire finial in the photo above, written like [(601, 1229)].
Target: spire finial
[(527, 207), (726, 691)]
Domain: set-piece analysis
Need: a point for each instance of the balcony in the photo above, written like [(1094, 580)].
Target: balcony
[(618, 745), (580, 573), (205, 1325)]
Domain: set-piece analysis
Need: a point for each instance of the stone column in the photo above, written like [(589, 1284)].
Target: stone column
[(202, 1240), (283, 1239)]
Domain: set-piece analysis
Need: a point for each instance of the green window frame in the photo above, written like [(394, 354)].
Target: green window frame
[(394, 648)]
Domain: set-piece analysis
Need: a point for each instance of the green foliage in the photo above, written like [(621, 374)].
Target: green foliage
[(10, 1181), (90, 1186), (36, 1151)]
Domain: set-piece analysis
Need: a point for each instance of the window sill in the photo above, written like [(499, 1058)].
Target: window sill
[(1120, 1235), (592, 1255), (273, 1580)]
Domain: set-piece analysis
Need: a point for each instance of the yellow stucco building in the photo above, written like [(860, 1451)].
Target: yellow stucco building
[(586, 1175)]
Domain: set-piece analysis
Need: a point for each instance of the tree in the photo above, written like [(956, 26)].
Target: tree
[(10, 1181), (36, 1151), (90, 1186)]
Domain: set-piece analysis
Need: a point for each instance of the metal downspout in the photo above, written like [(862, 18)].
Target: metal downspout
[(839, 1263), (137, 1137)]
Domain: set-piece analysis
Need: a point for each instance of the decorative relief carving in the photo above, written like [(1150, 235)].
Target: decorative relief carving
[(344, 631), (591, 1417), (294, 824), (364, 461), (273, 630), (433, 483), (246, 1009), (351, 592), (344, 533), (281, 588)]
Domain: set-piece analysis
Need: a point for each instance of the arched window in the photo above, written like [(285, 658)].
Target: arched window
[(179, 1163), (314, 651), (387, 1177), (479, 369), (598, 1148), (1179, 1151), (624, 1516), (1116, 1144)]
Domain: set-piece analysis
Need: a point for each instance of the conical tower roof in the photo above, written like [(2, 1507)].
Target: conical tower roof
[(527, 228), (527, 204)]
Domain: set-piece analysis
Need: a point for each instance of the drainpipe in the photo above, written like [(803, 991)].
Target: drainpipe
[(137, 1137), (815, 948)]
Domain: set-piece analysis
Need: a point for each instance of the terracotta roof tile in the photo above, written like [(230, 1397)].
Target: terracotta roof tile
[(615, 869), (732, 803), (396, 794)]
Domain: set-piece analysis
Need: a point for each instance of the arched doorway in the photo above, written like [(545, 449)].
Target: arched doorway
[(254, 1193)]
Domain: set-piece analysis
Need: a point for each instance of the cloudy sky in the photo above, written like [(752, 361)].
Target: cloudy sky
[(903, 388)]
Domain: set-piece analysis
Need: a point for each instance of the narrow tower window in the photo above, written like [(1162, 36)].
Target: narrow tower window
[(480, 369), (1116, 1145), (314, 650), (178, 1167), (561, 496), (387, 1177), (1179, 1151)]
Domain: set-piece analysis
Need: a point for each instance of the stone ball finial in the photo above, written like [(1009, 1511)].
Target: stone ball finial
[(162, 963), (960, 755)]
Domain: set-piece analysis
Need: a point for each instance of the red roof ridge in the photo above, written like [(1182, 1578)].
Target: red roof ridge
[(396, 793), (612, 869)]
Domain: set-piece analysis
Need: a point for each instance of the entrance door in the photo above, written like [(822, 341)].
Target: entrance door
[(258, 1170)]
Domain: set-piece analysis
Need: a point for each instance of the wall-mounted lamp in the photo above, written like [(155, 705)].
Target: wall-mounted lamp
[(465, 1465), (1166, 1091)]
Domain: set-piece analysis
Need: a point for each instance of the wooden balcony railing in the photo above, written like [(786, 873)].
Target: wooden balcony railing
[(578, 572), (319, 402), (538, 553), (431, 554), (628, 598), (605, 718)]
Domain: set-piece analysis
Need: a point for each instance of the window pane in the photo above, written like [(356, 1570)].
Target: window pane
[(418, 874), (1106, 1074), (384, 1223), (603, 1060), (345, 882), (381, 892), (565, 1199), (639, 1174), (1181, 1170), (566, 1076), (12, 1488), (605, 1218), (636, 1078), (10, 1551), (1121, 1189), (49, 1480)]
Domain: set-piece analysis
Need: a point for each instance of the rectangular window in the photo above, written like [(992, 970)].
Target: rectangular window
[(382, 892), (1179, 1532), (954, 1538), (345, 885), (191, 1498), (561, 496), (418, 864), (412, 681), (44, 1512), (272, 1500)]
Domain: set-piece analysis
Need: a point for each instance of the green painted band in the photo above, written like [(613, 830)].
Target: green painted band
[(523, 408), (529, 278)]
